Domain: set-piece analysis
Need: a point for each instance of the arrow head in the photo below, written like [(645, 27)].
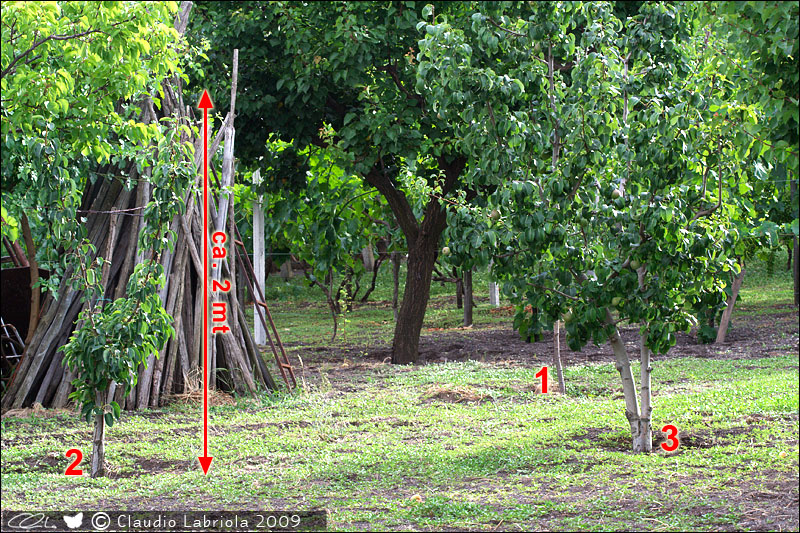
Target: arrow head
[(205, 101), (205, 463)]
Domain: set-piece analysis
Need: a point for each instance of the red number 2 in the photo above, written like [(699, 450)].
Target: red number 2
[(542, 374), (71, 469), (217, 286), (672, 437)]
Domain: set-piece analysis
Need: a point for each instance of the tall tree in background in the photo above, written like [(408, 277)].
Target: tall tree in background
[(359, 69)]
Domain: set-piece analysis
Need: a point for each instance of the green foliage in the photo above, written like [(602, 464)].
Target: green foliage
[(77, 80), (116, 339)]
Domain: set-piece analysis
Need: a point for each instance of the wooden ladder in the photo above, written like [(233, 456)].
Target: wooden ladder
[(263, 312)]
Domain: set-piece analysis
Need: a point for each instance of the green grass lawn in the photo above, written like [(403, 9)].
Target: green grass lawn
[(458, 445)]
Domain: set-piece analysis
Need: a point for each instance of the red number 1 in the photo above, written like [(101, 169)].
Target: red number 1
[(672, 437), (71, 469), (542, 374)]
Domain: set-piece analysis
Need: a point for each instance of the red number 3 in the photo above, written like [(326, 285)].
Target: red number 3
[(672, 438), (71, 469)]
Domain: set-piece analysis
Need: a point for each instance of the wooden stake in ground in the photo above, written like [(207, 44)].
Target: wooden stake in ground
[(557, 357)]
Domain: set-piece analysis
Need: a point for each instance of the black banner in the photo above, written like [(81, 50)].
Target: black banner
[(54, 521)]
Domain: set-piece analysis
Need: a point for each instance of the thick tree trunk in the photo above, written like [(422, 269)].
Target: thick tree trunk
[(423, 241), (726, 315), (421, 258)]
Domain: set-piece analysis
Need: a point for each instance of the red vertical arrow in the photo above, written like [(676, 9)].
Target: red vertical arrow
[(205, 104)]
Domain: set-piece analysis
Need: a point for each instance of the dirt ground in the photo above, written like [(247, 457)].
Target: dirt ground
[(750, 336), (772, 506)]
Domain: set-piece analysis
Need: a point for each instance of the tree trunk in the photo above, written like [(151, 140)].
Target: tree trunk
[(557, 357), (628, 387), (376, 268), (645, 429), (98, 468), (467, 276), (459, 290), (395, 282), (33, 319), (421, 258), (726, 315), (368, 258), (423, 242), (286, 269)]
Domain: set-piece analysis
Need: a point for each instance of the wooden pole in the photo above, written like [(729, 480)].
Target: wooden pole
[(259, 258)]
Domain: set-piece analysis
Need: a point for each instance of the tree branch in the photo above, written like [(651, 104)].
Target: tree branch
[(397, 201), (54, 37)]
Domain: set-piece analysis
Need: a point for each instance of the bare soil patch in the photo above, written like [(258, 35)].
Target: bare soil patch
[(749, 337)]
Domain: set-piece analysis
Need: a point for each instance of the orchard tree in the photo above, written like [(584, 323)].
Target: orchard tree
[(754, 47), (627, 205), (327, 224), (372, 73), (80, 133)]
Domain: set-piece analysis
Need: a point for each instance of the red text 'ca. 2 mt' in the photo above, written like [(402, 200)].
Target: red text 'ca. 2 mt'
[(219, 310)]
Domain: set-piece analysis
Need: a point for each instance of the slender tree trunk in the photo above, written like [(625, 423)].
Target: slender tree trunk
[(645, 429), (557, 357), (33, 319), (467, 275), (395, 282), (645, 371), (726, 315), (98, 468), (459, 290), (378, 262), (623, 366)]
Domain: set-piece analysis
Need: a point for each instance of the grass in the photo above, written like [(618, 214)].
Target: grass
[(458, 445)]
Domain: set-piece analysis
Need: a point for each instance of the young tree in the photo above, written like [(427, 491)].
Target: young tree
[(630, 202), (98, 153)]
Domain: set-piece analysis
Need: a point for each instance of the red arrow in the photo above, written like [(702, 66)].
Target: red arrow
[(205, 104)]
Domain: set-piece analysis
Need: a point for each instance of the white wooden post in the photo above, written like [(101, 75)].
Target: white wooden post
[(494, 294), (259, 258), (494, 291)]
